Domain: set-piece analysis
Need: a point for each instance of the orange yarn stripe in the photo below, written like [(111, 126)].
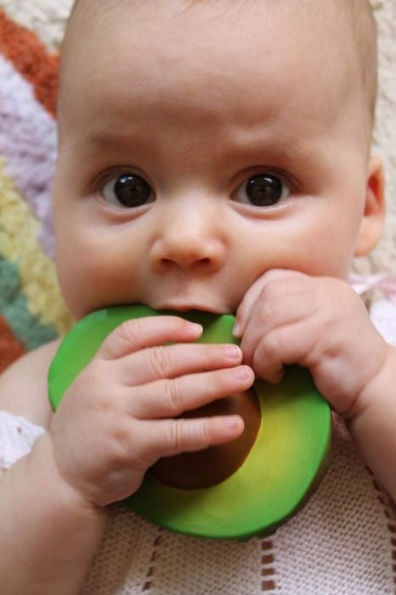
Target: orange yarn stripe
[(30, 58), (10, 348)]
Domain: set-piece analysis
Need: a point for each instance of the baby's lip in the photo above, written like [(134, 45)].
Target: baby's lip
[(191, 306)]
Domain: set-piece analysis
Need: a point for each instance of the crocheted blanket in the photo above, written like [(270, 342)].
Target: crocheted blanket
[(31, 308)]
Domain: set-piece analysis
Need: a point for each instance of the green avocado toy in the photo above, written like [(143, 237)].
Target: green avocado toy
[(284, 452)]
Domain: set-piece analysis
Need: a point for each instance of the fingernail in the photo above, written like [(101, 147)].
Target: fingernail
[(236, 331), (195, 328), (232, 353), (242, 373), (234, 424)]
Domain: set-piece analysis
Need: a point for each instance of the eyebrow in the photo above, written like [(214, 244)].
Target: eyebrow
[(100, 139)]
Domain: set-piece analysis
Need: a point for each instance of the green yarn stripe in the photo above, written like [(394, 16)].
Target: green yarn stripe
[(14, 307)]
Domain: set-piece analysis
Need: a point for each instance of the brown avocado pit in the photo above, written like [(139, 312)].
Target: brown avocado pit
[(201, 469)]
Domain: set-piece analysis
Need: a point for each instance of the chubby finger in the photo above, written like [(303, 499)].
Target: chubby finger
[(174, 436), (171, 397), (293, 344), (272, 314), (139, 333), (170, 361), (252, 295)]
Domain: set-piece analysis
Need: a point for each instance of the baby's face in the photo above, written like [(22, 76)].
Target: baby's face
[(201, 146)]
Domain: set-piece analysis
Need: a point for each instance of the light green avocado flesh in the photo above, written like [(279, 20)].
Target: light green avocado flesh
[(282, 469)]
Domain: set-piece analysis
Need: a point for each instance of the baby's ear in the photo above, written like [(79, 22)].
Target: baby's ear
[(374, 208)]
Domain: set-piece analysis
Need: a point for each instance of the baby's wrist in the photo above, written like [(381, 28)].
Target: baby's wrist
[(64, 494), (373, 426), (380, 388)]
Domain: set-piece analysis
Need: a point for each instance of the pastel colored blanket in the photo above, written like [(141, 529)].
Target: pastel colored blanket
[(31, 308)]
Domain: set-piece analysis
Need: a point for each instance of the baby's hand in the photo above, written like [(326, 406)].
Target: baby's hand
[(118, 417), (318, 322)]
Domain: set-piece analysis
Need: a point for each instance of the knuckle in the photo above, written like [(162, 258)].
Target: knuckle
[(191, 435), (160, 361), (173, 394), (269, 358), (129, 330), (266, 312), (216, 381), (205, 432), (126, 453), (121, 440), (271, 346), (207, 353), (323, 345), (273, 274), (270, 291), (92, 379), (176, 437)]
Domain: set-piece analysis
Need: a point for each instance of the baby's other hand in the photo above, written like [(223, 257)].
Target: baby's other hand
[(118, 417), (287, 317)]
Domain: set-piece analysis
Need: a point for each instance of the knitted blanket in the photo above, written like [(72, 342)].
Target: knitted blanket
[(31, 308)]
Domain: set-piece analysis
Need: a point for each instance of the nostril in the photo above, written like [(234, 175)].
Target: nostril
[(199, 253), (187, 262)]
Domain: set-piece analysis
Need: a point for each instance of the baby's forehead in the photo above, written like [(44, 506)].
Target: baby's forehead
[(213, 41), (252, 20), (240, 31), (344, 21)]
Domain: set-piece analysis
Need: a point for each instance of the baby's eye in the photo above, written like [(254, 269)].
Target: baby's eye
[(262, 190), (128, 190)]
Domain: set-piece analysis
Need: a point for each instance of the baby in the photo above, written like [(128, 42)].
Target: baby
[(216, 156)]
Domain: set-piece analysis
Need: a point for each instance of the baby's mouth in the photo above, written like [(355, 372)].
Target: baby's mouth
[(185, 306), (189, 307)]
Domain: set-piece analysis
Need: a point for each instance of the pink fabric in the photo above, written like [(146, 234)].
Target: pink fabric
[(385, 282)]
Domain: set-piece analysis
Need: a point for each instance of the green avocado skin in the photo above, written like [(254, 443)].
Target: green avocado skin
[(284, 466)]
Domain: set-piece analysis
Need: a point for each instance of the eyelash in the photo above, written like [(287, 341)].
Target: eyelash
[(281, 180), (110, 174), (284, 178)]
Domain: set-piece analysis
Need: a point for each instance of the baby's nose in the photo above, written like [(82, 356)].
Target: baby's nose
[(207, 255), (189, 243)]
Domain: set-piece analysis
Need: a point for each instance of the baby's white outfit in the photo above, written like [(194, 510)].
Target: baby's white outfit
[(342, 542)]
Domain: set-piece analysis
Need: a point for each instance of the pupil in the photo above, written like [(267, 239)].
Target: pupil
[(264, 190), (132, 191)]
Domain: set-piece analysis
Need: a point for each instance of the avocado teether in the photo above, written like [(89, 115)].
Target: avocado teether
[(279, 467)]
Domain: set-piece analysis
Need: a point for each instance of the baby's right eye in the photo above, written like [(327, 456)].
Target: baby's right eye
[(128, 190)]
